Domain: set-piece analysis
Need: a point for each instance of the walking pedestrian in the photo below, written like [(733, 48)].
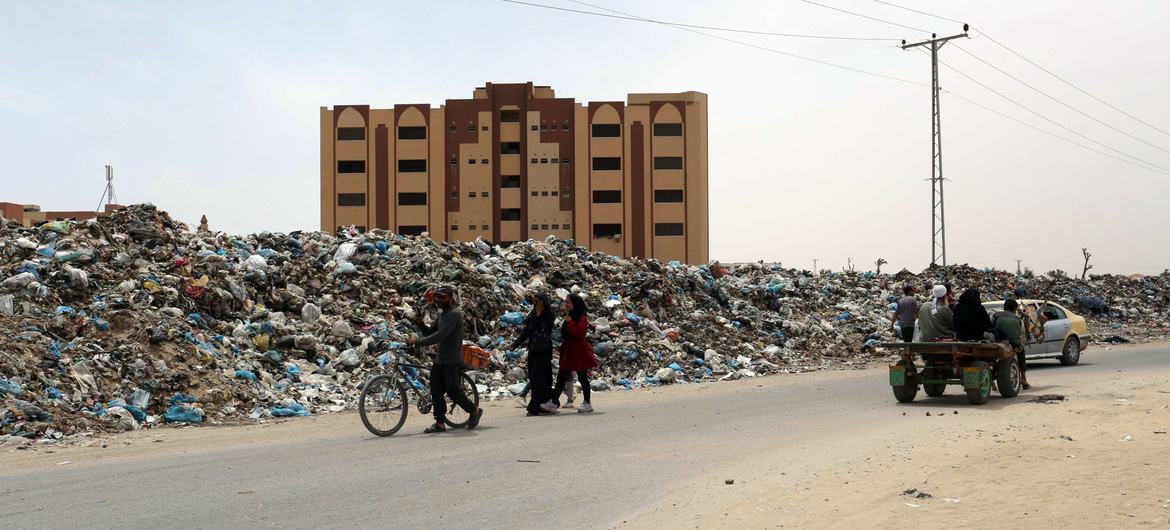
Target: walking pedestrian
[(576, 354), (447, 370), (537, 332)]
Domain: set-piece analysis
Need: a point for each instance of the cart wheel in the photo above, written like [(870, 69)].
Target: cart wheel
[(906, 392), (979, 396), (934, 389), (1007, 376)]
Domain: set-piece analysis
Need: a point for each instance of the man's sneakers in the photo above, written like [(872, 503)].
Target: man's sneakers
[(585, 407), (549, 407), (436, 428), (568, 404)]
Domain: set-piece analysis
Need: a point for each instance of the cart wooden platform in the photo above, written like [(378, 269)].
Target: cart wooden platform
[(971, 365)]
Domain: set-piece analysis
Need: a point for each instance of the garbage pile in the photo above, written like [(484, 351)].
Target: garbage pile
[(133, 320)]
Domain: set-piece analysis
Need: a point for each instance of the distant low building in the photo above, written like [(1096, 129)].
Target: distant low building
[(31, 214)]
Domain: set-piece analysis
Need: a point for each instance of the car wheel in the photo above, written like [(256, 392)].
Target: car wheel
[(1071, 354)]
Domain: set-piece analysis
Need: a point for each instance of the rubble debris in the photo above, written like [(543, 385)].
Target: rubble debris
[(135, 311), (1047, 398)]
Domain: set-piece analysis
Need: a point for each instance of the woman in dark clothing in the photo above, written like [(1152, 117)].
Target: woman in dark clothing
[(538, 328), (576, 354), (971, 320)]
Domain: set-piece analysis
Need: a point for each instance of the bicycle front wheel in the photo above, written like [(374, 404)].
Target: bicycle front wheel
[(383, 405), (455, 416)]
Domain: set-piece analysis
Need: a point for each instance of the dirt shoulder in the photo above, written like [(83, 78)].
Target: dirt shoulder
[(1096, 460)]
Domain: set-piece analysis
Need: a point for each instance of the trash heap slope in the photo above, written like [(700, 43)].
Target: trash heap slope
[(134, 319)]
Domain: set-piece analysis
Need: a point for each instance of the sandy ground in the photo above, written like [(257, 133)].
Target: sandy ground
[(1100, 459)]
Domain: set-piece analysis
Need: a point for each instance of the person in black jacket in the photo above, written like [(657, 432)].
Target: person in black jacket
[(971, 320), (537, 332)]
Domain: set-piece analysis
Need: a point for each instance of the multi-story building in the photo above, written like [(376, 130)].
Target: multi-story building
[(31, 214), (515, 162)]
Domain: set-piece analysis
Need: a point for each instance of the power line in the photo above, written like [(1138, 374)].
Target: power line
[(920, 12), (1043, 69), (1066, 105), (856, 14), (1050, 120), (698, 26), (739, 42)]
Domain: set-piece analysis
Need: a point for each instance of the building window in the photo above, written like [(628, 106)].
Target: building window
[(471, 127), (668, 195), (483, 128), (535, 128), (351, 166), (544, 194), (509, 214), (607, 163), (509, 148), (544, 127), (566, 226), (534, 227), (607, 130), (668, 229), (351, 199), (564, 160), (454, 195), (471, 227), (454, 161), (453, 129), (509, 181), (471, 161), (536, 194), (483, 161), (544, 161), (412, 230), (359, 228), (412, 199), (534, 160), (483, 227), (607, 230), (412, 133), (509, 116), (667, 129), (607, 196), (556, 227), (471, 195), (483, 194), (544, 227), (565, 194), (668, 162), (565, 127), (553, 193), (454, 228), (416, 165), (554, 160), (351, 133)]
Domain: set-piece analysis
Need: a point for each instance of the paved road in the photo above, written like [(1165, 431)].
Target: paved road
[(593, 471)]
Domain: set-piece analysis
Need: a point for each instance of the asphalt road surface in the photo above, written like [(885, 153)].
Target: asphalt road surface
[(590, 470)]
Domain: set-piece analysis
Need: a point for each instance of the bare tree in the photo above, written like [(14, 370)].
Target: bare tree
[(879, 263), (1085, 271)]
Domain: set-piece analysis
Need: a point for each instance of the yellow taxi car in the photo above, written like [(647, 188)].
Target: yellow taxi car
[(1063, 334)]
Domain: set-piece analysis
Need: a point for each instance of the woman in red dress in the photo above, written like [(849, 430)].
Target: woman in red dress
[(576, 354)]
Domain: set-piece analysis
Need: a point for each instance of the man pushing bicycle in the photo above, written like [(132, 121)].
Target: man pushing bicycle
[(447, 370)]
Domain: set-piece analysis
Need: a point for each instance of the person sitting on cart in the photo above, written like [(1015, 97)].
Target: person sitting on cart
[(447, 370), (971, 320), (935, 321), (1008, 324)]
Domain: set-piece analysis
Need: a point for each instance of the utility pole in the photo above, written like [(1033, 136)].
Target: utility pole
[(938, 227), (1018, 271), (815, 266), (108, 196)]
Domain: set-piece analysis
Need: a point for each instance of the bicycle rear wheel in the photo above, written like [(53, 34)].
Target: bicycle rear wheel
[(455, 416), (383, 405)]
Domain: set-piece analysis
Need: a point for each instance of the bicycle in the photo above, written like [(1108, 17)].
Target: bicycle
[(385, 398)]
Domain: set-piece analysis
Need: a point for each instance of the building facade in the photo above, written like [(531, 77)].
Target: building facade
[(31, 214), (514, 162)]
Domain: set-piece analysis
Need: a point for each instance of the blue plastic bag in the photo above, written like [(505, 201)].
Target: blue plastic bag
[(512, 318), (246, 374), (183, 414), (9, 387), (292, 409), (182, 398)]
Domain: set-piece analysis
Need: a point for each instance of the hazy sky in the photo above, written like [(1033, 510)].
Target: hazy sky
[(212, 107)]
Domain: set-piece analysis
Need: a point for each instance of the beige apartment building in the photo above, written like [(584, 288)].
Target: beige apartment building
[(515, 162)]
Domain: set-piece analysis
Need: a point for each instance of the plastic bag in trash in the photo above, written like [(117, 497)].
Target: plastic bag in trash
[(183, 413), (291, 409)]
